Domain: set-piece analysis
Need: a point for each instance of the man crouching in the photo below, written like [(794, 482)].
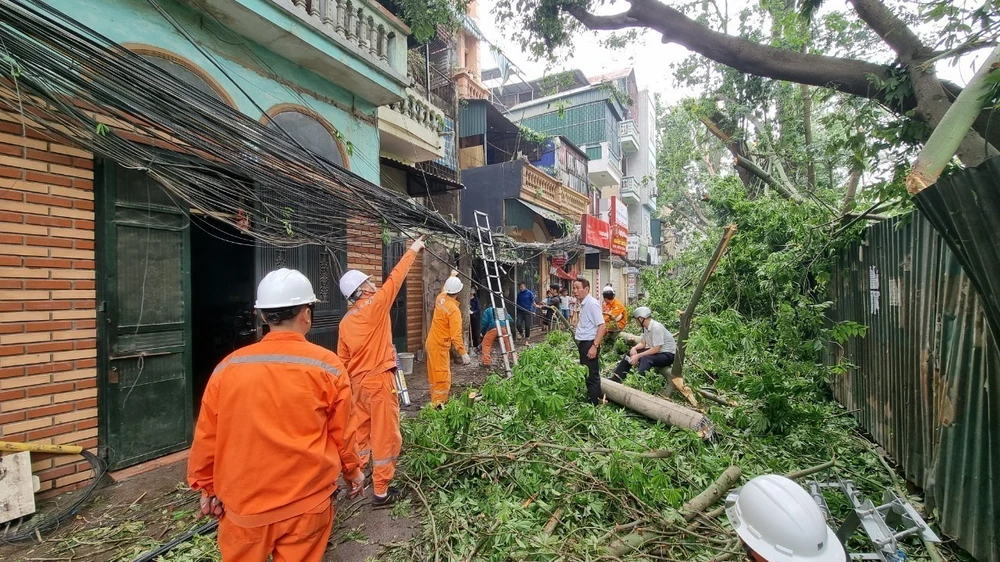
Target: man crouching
[(656, 349)]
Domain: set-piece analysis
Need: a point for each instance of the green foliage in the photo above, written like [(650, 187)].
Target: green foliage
[(425, 16), (532, 136), (492, 488)]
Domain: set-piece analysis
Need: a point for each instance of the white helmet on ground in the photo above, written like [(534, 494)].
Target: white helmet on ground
[(608, 290), (283, 288), (779, 521), (453, 286), (350, 282), (642, 312)]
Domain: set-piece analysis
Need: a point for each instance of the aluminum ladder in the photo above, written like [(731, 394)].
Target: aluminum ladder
[(488, 253)]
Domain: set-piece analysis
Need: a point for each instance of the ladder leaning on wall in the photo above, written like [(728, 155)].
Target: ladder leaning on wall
[(488, 253)]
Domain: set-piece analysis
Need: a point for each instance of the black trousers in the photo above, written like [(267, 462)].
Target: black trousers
[(474, 320), (646, 363), (594, 392), (524, 319)]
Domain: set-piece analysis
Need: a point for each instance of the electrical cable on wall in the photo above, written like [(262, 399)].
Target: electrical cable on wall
[(83, 89)]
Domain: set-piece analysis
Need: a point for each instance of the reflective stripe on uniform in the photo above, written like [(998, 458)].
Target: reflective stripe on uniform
[(364, 453), (384, 461), (277, 358)]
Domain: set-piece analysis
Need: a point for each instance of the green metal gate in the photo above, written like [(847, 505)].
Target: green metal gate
[(144, 318)]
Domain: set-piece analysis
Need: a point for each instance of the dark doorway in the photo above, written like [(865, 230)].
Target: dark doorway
[(391, 254), (222, 296)]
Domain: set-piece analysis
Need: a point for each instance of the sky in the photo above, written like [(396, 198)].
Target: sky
[(651, 59)]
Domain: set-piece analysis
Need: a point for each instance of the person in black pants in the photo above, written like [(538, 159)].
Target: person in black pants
[(590, 331), (656, 349), (474, 318)]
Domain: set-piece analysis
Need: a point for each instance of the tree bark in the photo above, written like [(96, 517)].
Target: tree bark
[(727, 132), (851, 76), (807, 126), (712, 494), (682, 333), (851, 191), (657, 408), (947, 136), (785, 191)]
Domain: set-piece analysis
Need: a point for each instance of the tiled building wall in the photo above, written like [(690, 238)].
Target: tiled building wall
[(48, 339)]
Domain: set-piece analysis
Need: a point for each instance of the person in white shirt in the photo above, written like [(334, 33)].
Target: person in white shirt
[(656, 349), (590, 331)]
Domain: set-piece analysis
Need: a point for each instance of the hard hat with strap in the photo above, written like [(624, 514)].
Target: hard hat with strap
[(284, 288), (350, 282), (642, 312), (780, 522)]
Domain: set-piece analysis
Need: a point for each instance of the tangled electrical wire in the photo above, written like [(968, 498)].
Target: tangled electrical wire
[(28, 528), (81, 88)]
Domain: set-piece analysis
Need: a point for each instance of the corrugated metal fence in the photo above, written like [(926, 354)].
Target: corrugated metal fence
[(927, 380)]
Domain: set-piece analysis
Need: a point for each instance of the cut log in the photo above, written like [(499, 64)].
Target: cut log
[(712, 494), (657, 408)]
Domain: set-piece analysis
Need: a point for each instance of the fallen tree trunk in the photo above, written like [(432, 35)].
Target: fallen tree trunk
[(712, 494), (657, 408)]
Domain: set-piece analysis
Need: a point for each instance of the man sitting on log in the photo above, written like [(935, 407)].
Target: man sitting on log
[(656, 349)]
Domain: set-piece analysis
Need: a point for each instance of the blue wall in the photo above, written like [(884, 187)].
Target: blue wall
[(136, 23)]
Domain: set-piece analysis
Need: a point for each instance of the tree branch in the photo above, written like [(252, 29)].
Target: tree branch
[(596, 22), (785, 191), (891, 29)]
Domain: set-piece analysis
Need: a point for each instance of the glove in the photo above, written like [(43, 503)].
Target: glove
[(357, 485), (211, 507), (417, 245), (466, 359)]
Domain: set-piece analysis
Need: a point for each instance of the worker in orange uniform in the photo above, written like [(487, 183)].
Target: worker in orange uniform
[(615, 313), (274, 433), (365, 346), (445, 332)]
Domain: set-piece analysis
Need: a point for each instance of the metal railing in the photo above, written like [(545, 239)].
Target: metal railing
[(627, 128)]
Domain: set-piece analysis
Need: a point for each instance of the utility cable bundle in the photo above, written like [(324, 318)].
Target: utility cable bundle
[(73, 83)]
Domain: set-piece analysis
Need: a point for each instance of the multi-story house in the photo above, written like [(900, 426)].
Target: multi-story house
[(119, 297), (614, 124)]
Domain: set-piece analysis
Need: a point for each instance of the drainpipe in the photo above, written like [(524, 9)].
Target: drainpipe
[(427, 68)]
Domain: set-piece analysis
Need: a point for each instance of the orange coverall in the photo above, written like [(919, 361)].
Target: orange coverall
[(445, 332), (615, 315), (274, 433), (365, 346)]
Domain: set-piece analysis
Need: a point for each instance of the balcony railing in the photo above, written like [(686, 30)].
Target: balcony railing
[(420, 110), (630, 190), (357, 21), (627, 128), (629, 136), (541, 188), (356, 44)]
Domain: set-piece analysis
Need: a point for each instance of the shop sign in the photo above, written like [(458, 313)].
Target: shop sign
[(595, 232), (619, 227)]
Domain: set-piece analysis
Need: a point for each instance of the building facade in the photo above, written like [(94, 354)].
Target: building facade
[(118, 298), (614, 124)]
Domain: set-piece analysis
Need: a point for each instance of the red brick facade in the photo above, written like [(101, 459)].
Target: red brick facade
[(48, 336)]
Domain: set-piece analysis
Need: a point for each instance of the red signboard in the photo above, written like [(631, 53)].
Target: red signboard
[(618, 217), (595, 233)]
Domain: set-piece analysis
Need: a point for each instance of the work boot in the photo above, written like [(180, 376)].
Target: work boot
[(392, 496)]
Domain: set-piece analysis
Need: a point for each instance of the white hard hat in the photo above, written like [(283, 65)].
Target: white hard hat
[(608, 289), (781, 522), (642, 312), (350, 282), (453, 285), (283, 288)]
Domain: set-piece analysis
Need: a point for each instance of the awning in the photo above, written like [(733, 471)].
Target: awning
[(543, 212), (421, 183)]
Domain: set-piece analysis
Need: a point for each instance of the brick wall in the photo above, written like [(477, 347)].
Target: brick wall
[(48, 339), (415, 306), (364, 247)]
